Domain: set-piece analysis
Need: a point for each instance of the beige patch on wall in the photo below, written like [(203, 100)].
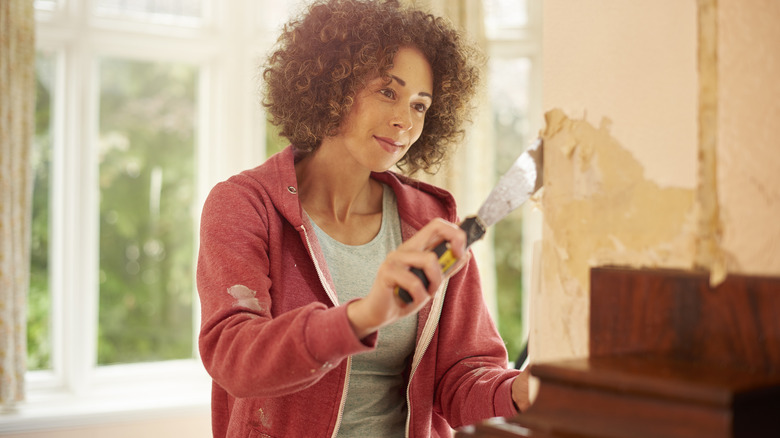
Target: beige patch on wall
[(599, 209)]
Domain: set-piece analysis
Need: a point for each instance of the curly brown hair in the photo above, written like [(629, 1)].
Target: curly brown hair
[(326, 56)]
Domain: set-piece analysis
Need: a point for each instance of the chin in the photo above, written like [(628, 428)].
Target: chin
[(386, 166)]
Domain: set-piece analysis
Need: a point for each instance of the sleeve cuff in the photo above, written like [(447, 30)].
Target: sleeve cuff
[(505, 405), (330, 338)]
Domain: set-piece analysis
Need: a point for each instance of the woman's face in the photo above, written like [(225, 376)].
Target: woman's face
[(386, 119)]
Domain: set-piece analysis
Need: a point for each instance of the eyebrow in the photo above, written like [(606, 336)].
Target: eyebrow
[(403, 84)]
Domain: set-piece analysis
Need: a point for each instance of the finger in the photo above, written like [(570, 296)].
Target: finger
[(413, 273), (425, 261), (449, 232), (451, 253), (433, 271), (435, 232), (413, 286)]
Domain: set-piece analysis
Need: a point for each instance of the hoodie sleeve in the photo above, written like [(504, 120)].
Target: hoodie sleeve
[(474, 382), (245, 348)]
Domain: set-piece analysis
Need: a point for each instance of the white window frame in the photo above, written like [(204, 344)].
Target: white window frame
[(230, 137)]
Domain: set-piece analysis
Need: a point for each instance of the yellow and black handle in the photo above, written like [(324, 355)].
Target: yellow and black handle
[(474, 229)]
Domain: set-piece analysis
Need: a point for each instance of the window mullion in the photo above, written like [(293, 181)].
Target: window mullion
[(79, 212)]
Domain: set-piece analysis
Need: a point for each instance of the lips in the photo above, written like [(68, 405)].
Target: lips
[(389, 144)]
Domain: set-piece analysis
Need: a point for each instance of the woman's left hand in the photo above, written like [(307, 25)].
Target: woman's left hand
[(520, 392)]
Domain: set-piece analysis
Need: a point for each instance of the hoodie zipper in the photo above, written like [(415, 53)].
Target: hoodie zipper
[(334, 299), (427, 336)]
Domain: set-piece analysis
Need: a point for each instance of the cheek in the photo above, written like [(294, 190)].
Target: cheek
[(418, 130)]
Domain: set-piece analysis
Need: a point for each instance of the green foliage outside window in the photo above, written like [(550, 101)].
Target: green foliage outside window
[(509, 278), (38, 301), (147, 198), (510, 84)]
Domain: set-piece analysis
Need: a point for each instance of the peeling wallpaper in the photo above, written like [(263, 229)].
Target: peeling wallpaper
[(662, 148), (599, 209)]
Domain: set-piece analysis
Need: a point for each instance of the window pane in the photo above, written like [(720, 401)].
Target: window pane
[(505, 18), (175, 12), (509, 87), (147, 189), (271, 16), (39, 343), (46, 5)]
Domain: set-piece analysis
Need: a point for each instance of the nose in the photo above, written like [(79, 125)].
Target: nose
[(402, 119)]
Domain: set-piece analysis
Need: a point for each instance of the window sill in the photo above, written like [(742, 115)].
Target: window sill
[(119, 394)]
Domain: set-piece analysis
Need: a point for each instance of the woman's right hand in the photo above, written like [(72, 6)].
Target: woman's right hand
[(382, 306)]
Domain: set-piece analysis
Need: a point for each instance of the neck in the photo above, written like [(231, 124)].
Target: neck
[(330, 188)]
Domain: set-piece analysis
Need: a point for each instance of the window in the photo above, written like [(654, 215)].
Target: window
[(513, 28), (142, 106), (182, 13)]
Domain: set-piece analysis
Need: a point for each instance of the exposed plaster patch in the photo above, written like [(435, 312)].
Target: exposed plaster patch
[(599, 209), (245, 297)]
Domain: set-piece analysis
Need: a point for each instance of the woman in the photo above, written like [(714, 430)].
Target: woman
[(301, 258)]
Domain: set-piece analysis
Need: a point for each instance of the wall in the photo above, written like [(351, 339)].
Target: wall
[(748, 145), (658, 148)]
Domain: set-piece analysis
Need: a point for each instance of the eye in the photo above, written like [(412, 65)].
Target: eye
[(387, 92), (420, 107)]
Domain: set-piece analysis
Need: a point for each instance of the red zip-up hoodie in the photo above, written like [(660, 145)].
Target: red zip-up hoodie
[(277, 343)]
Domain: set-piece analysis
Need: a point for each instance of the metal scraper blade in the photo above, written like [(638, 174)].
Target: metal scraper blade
[(518, 184)]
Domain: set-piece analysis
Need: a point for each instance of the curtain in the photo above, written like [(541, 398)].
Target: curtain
[(469, 172), (17, 111)]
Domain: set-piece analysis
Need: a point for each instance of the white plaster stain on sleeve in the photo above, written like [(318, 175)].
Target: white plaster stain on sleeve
[(245, 297), (262, 418)]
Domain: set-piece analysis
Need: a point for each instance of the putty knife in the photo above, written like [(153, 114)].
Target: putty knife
[(518, 184)]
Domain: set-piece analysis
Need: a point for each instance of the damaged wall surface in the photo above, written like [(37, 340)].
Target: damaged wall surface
[(659, 148), (620, 153), (599, 209)]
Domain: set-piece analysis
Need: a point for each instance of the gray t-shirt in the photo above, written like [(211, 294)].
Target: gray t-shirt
[(376, 395)]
